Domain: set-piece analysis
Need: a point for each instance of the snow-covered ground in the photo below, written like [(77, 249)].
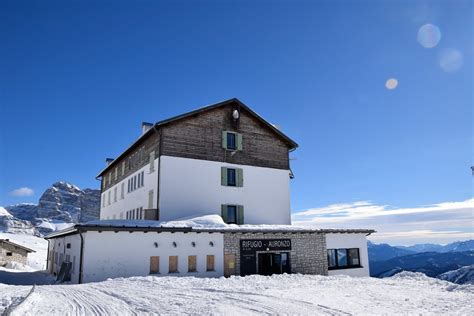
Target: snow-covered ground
[(36, 260), (406, 293)]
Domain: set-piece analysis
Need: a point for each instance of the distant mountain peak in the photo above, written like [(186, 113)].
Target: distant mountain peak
[(63, 202)]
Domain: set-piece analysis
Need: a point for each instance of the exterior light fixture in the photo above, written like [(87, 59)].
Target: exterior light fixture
[(193, 244), (156, 244), (174, 244), (235, 114), (211, 244)]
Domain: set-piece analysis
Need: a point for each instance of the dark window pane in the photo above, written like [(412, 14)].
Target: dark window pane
[(232, 214), (353, 257), (231, 180), (341, 257), (231, 141), (331, 258)]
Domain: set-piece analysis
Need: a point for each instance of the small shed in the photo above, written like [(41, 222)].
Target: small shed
[(10, 251)]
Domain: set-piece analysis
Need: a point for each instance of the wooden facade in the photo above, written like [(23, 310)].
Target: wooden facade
[(199, 136)]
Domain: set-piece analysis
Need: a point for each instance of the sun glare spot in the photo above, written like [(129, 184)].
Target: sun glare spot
[(391, 83), (450, 60), (429, 35)]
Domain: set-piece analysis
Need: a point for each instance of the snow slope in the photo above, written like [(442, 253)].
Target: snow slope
[(406, 293), (36, 260)]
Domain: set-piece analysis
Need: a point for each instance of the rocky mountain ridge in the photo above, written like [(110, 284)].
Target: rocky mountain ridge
[(60, 206)]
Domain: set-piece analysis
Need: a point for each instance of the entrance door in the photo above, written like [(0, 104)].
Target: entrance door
[(273, 263)]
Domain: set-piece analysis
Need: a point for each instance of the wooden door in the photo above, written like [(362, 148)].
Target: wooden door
[(191, 263), (229, 265), (173, 264), (154, 264)]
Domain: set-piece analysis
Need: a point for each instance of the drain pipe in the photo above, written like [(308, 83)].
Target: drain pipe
[(81, 257)]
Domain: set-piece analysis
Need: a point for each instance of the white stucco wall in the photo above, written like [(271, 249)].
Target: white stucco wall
[(124, 254), (337, 241), (59, 247), (133, 200), (192, 186)]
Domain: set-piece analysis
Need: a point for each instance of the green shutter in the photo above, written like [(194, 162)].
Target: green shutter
[(223, 176), (224, 139), (240, 214), (239, 141), (224, 212), (240, 177)]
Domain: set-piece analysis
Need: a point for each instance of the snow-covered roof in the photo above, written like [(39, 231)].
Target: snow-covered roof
[(8, 242), (204, 223)]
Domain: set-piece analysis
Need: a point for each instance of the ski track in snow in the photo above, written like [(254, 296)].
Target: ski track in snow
[(410, 293)]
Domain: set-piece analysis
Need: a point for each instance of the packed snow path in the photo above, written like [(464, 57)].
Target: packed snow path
[(407, 293)]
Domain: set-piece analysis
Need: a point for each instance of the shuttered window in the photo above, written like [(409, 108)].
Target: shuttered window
[(154, 264), (210, 263), (192, 264), (232, 214), (173, 264), (150, 199), (152, 161), (231, 140), (232, 177)]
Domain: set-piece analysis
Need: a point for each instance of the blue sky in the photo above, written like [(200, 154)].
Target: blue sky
[(78, 78)]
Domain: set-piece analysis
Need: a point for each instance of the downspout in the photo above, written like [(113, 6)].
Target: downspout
[(160, 142), (81, 257)]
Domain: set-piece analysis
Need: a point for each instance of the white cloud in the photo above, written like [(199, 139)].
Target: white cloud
[(25, 191), (440, 223)]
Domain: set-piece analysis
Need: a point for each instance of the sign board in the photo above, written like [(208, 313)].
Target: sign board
[(250, 247)]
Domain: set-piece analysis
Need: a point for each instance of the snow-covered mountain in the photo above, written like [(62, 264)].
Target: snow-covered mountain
[(455, 246), (463, 275), (60, 206)]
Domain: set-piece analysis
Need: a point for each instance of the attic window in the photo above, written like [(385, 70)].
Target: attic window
[(9, 254), (68, 245), (231, 141)]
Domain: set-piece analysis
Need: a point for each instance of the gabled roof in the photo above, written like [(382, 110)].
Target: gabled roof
[(291, 144), (8, 242)]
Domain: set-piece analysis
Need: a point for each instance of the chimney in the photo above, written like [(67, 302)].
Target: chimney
[(146, 127), (108, 161)]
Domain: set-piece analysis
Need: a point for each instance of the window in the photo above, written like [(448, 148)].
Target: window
[(115, 194), (9, 254), (123, 168), (110, 178), (133, 214), (116, 174), (152, 161), (68, 245), (143, 181), (233, 214), (128, 189), (154, 264), (141, 212), (231, 140), (192, 264), (150, 199), (135, 182), (343, 258), (232, 177), (108, 198), (210, 263), (231, 181), (139, 179), (103, 200), (173, 264), (122, 189)]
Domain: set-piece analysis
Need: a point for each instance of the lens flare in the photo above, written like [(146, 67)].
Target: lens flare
[(450, 60), (391, 83), (429, 35)]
